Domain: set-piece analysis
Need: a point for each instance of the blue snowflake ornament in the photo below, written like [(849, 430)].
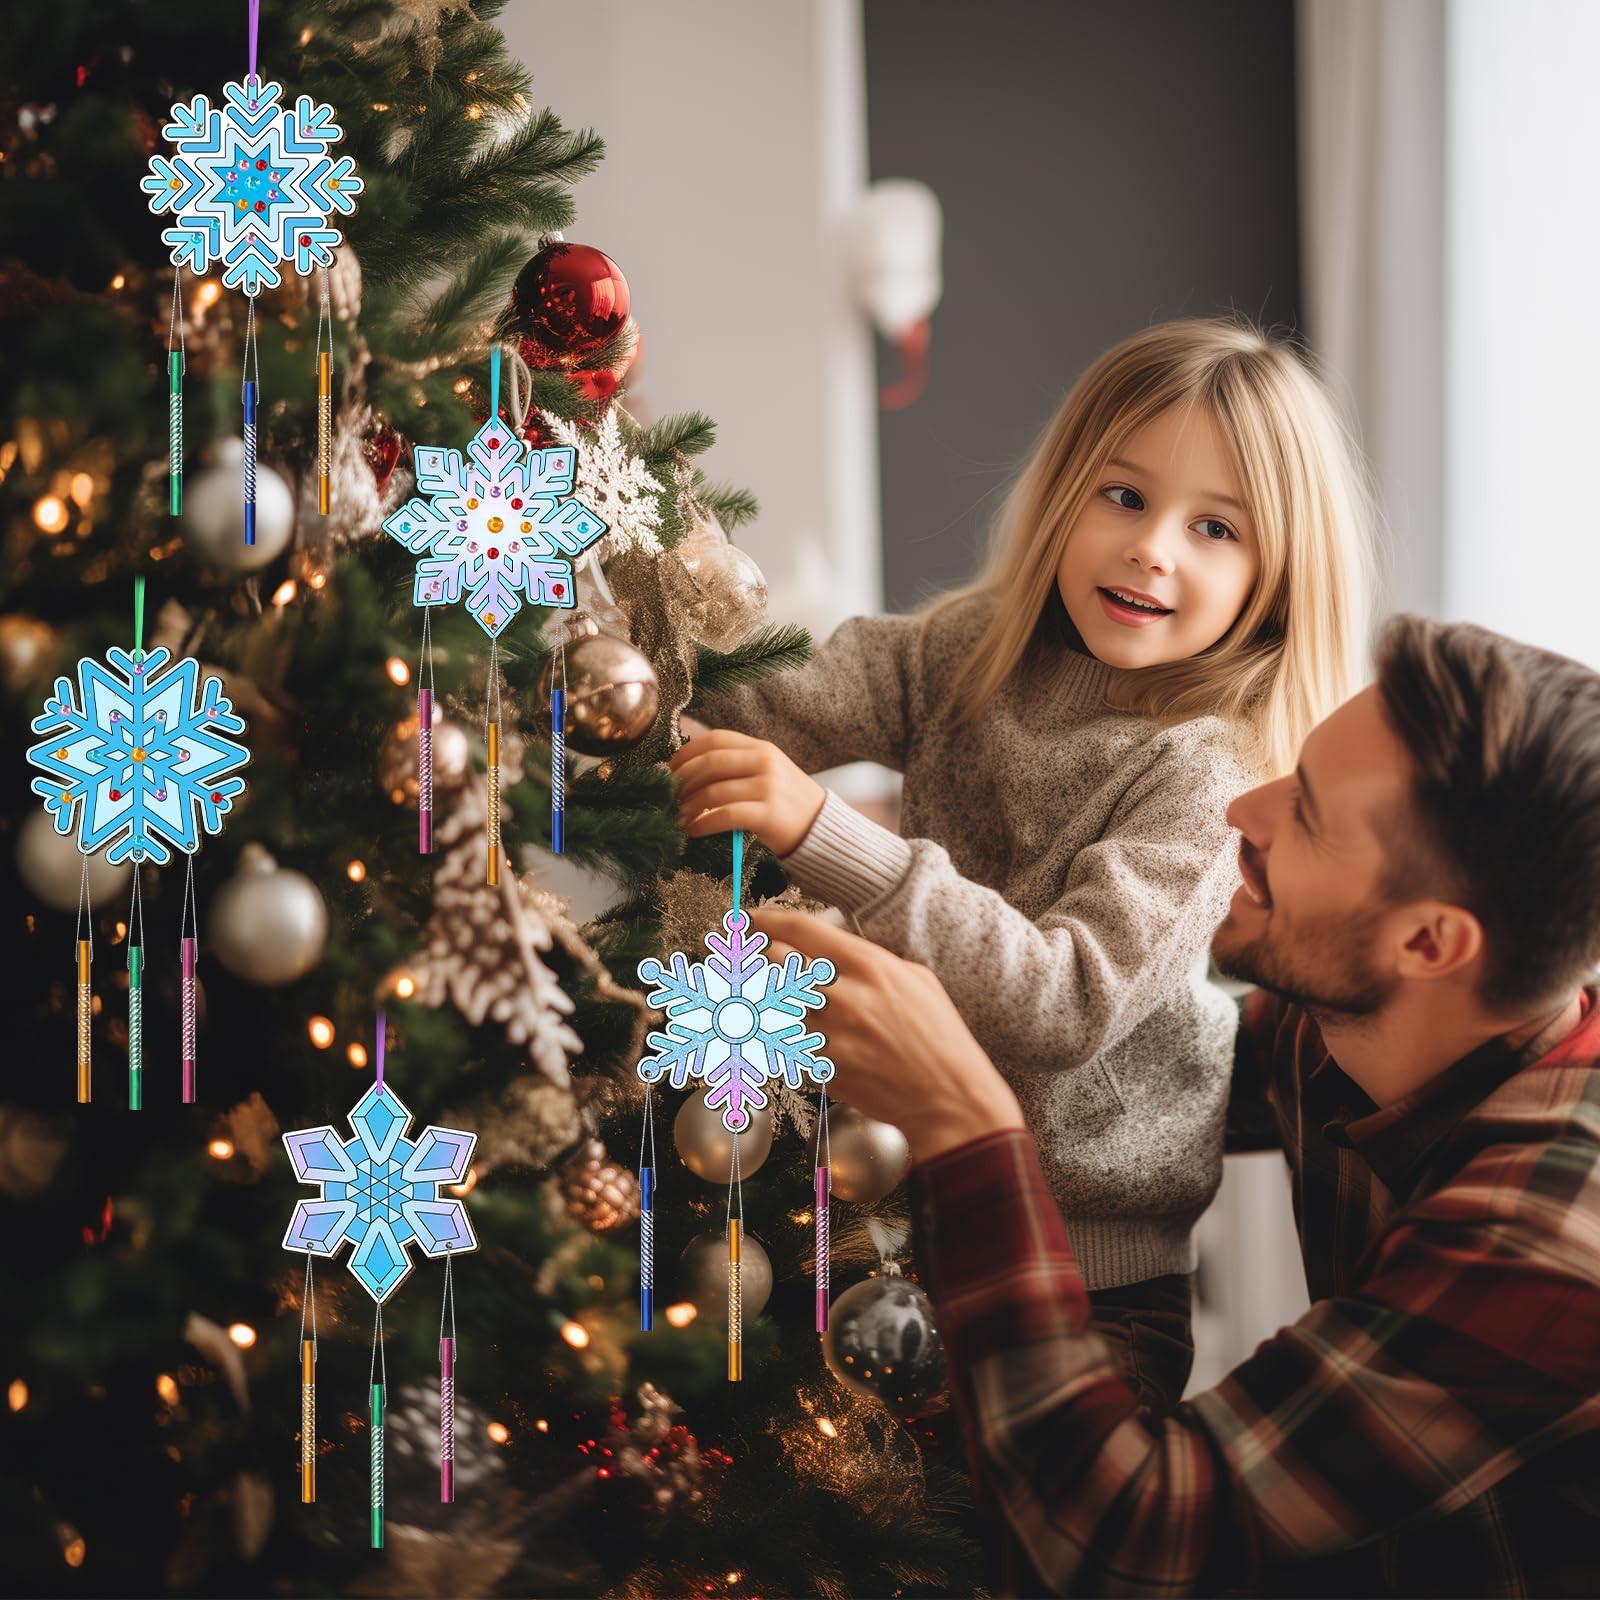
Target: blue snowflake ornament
[(496, 524), (137, 756), (736, 1020), (252, 184), (380, 1192)]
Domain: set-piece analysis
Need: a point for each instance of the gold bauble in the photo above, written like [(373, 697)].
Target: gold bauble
[(730, 591), (703, 1274), (706, 1147), (612, 695), (397, 758)]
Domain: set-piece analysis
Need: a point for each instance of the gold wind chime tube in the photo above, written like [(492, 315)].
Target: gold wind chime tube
[(308, 1421), (735, 1305), (85, 1012), (324, 431)]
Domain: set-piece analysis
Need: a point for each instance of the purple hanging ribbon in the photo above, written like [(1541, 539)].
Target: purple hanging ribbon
[(255, 30), (382, 1031)]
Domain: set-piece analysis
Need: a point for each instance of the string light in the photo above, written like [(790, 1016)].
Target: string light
[(461, 385), (467, 1184), (498, 1431), (405, 986), (357, 1054), (120, 281), (732, 1577), (542, 1425), (50, 513), (73, 1549), (474, 111), (17, 1394), (242, 1334), (305, 37), (208, 294), (575, 1334), (167, 1388), (221, 1149), (82, 489), (826, 1428), (681, 1314), (285, 592), (321, 1031), (356, 871), (399, 672)]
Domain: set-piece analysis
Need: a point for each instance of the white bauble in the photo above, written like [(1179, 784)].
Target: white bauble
[(213, 513), (51, 866), (268, 924)]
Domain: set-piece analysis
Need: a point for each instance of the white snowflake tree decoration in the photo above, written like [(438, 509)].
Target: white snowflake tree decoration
[(252, 184), (498, 524), (736, 1020), (139, 758), (615, 482)]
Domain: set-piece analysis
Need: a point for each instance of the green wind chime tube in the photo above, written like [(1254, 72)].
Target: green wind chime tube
[(175, 432), (377, 1466), (135, 1028)]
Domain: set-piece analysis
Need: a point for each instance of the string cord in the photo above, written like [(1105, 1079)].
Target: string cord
[(175, 327), (189, 912), (823, 1154), (425, 660), (735, 1186), (85, 919), (647, 1134), (449, 1301), (250, 369), (308, 1297), (136, 913), (379, 1372)]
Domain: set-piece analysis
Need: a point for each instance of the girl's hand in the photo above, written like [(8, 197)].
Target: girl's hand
[(902, 1052), (728, 780)]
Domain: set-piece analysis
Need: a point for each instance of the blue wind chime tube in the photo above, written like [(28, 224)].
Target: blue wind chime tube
[(647, 1249), (249, 460), (558, 770)]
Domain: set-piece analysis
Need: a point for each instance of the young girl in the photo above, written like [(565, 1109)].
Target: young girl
[(1176, 596)]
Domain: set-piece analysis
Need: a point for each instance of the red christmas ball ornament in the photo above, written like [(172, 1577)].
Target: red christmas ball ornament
[(570, 298), (597, 384), (382, 451)]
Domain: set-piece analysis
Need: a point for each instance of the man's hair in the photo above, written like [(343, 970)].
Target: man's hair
[(1505, 798)]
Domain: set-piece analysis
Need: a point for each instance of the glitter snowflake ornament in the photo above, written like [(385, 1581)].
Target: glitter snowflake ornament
[(736, 1020), (138, 757), (252, 185), (615, 482), (380, 1192), (498, 524)]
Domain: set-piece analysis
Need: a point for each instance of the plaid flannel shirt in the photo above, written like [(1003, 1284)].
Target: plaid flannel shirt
[(1430, 1426)]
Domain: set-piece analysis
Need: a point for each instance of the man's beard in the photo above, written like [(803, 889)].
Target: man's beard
[(1323, 965)]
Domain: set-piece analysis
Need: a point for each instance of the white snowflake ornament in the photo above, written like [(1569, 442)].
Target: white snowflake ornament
[(497, 524), (252, 185), (736, 1020), (139, 758), (615, 482)]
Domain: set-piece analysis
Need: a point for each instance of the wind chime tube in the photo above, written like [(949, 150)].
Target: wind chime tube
[(558, 770), (494, 804), (425, 771), (647, 1249), (735, 1304), (187, 951), (308, 1422), (135, 1027), (85, 1009), (249, 460), (324, 431), (824, 1192), (447, 1420), (376, 1430), (175, 432)]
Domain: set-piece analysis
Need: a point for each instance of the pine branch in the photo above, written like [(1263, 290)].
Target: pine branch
[(688, 434), (467, 301), (732, 507), (779, 647)]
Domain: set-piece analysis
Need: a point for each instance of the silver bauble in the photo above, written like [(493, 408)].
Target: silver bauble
[(26, 645), (866, 1158), (213, 513), (704, 1274), (612, 694), (707, 1147), (268, 924), (730, 591), (882, 1342), (397, 758), (50, 865)]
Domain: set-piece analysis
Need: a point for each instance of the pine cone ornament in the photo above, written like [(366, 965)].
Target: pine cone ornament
[(600, 1194)]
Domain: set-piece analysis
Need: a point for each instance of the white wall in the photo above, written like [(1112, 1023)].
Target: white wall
[(736, 141)]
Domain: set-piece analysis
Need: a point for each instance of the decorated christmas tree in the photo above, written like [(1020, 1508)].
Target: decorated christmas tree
[(154, 1324)]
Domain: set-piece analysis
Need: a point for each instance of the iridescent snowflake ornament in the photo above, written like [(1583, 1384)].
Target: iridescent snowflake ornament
[(497, 524), (736, 1020), (380, 1192)]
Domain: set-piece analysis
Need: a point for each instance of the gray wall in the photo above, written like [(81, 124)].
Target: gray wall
[(1103, 164)]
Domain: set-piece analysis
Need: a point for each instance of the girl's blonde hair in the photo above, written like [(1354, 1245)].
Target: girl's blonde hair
[(1296, 650)]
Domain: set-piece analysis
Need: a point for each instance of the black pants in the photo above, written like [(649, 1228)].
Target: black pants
[(1147, 1326)]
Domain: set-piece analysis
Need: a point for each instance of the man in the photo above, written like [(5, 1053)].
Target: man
[(1420, 898)]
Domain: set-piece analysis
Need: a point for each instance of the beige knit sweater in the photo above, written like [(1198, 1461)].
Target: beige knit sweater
[(1061, 870)]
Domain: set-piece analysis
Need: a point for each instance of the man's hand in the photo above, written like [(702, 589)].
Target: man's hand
[(903, 1053), (728, 780)]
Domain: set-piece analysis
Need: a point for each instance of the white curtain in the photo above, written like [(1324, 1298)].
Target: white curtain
[(1450, 219)]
